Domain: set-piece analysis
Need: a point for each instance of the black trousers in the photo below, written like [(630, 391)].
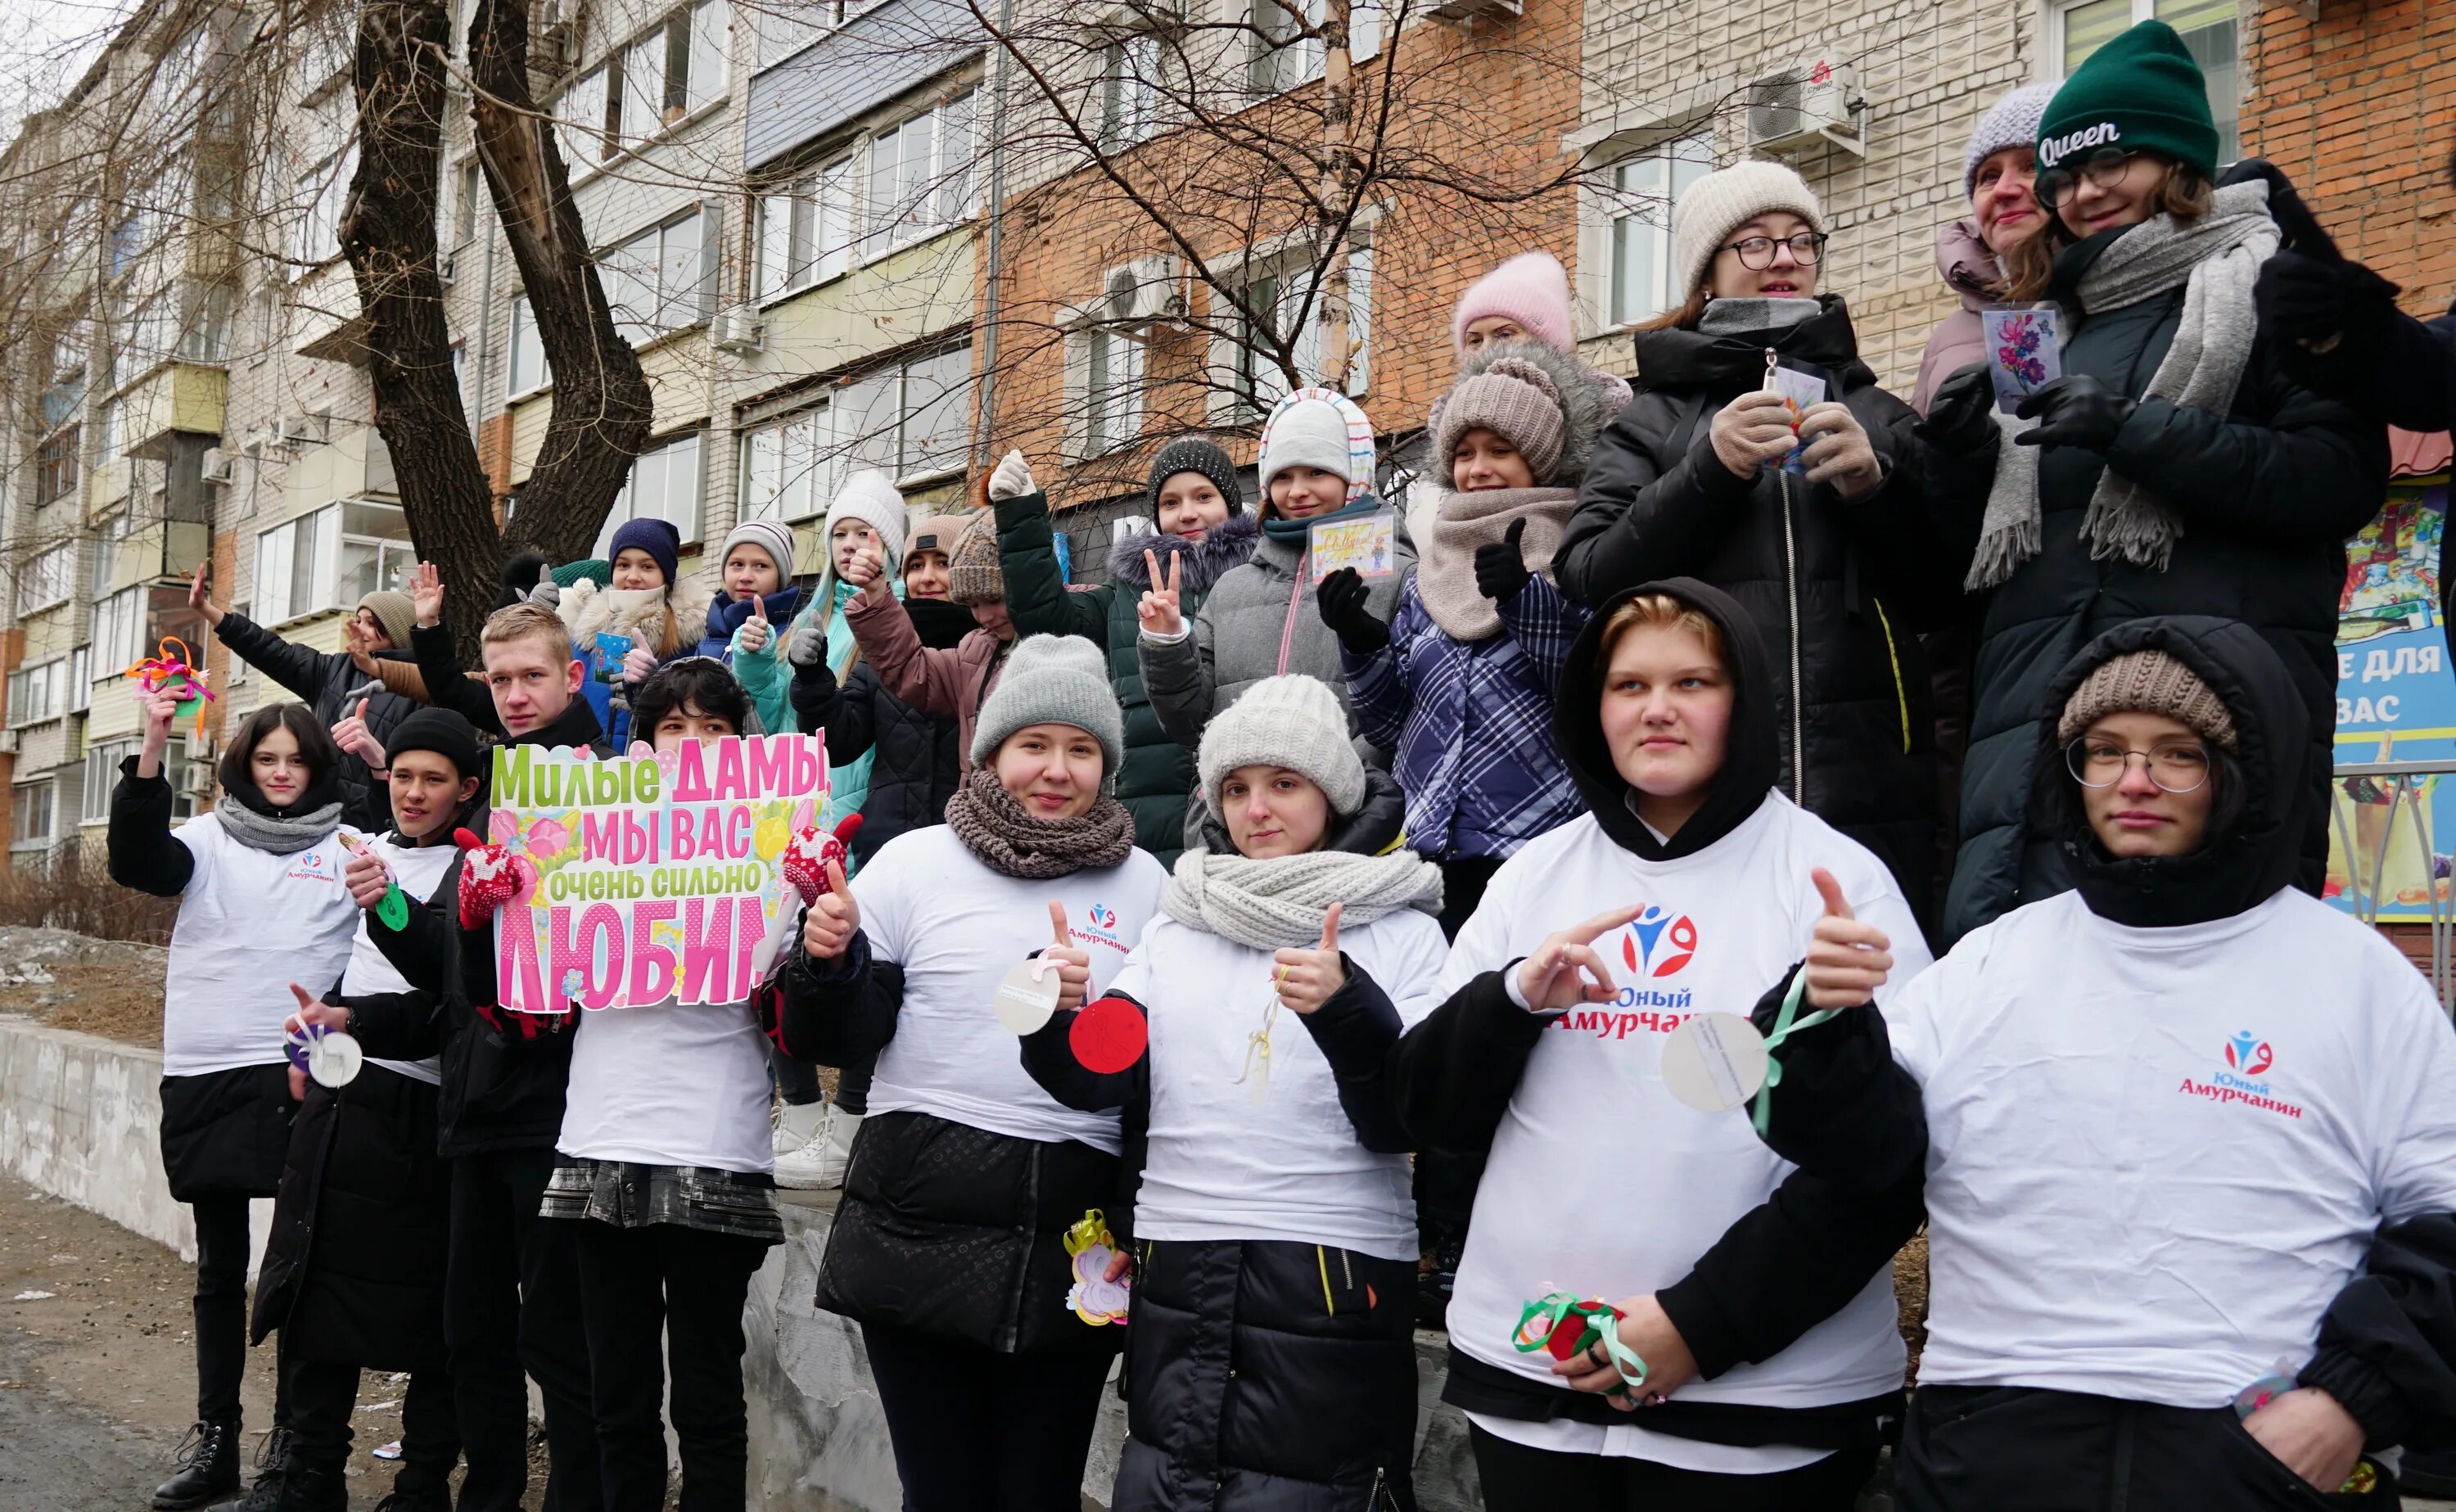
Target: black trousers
[(322, 1398), (2023, 1449), (648, 1295), (511, 1305), (977, 1431), (1463, 884), (1517, 1479), (220, 1308), (798, 1082)]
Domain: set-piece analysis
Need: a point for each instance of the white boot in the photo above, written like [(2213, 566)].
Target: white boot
[(797, 1124), (819, 1166)]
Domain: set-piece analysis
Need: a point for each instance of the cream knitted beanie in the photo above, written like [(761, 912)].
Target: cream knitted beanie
[(1723, 201), (1291, 721)]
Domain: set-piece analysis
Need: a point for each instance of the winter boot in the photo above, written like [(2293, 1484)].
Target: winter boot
[(314, 1487), (797, 1124), (208, 1468), (820, 1164), (265, 1493)]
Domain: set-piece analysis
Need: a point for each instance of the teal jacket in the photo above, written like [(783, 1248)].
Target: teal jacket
[(769, 679)]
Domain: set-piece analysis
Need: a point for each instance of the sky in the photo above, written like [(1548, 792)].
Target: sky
[(45, 45)]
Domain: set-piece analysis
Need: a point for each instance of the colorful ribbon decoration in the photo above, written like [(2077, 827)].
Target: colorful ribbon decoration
[(1761, 1111), (1566, 1326), (1094, 1297), (178, 673)]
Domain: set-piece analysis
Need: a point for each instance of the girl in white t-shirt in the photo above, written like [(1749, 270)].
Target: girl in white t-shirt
[(1275, 1243), (262, 903), (1758, 1301), (949, 1246)]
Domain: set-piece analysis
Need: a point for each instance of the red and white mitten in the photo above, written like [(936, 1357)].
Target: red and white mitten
[(491, 877), (807, 853)]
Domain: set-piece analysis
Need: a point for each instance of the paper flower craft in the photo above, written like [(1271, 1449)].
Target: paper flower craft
[(173, 666), (1094, 1297)]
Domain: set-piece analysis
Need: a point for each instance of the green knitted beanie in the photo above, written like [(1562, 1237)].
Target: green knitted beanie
[(596, 569), (2139, 92)]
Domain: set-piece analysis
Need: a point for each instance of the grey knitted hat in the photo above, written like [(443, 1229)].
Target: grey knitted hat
[(2012, 121), (1052, 680), (1515, 400), (1193, 453), (2154, 682), (1294, 721), (1308, 433)]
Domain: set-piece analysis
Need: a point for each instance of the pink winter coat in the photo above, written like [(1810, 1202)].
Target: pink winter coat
[(1968, 268)]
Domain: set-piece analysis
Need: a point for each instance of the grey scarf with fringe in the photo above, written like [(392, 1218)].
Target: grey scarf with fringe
[(1280, 901), (2216, 259)]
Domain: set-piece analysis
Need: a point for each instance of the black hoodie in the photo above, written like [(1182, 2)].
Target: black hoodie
[(1749, 1297)]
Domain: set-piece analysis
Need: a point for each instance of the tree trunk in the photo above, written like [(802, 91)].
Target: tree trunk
[(1338, 151)]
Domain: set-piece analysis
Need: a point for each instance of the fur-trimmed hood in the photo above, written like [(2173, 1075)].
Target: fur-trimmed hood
[(1224, 546), (1588, 400), (588, 610)]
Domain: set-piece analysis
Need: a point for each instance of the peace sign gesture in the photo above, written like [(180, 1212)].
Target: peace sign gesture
[(1159, 610), (1550, 980), (1307, 979)]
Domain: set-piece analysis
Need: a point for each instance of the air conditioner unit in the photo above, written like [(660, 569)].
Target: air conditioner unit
[(296, 429), (443, 269), (1148, 291), (7, 742), (218, 466), (197, 777), (736, 330), (1804, 106), (1470, 9)]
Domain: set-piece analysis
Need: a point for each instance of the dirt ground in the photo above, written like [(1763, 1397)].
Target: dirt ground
[(101, 986)]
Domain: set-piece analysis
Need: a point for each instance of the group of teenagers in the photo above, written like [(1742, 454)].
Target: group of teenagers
[(1328, 896)]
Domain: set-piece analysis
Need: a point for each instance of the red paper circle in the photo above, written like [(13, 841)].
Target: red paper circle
[(1109, 1036)]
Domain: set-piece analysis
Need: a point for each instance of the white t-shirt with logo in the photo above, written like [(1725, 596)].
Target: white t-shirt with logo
[(418, 869), (2156, 1155), (956, 927), (249, 924), (1601, 1183), (1271, 1155), (679, 1084)]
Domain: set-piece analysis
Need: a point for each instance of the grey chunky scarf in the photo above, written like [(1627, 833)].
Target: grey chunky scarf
[(994, 825), (2216, 259), (1281, 902), (276, 837)]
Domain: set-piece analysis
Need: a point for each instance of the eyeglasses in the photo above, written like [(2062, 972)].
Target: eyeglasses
[(2102, 168), (1756, 252), (2176, 766)]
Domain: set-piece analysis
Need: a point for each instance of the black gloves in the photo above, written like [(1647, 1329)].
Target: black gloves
[(1341, 599), (1501, 565), (2074, 410), (1960, 413), (2326, 316)]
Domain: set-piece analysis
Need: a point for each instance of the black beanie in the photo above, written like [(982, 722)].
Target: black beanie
[(441, 731), (1192, 454)]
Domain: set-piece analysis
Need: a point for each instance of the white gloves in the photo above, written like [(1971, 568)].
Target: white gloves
[(1012, 479)]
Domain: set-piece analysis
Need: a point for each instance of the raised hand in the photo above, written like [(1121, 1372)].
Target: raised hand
[(351, 735), (807, 649), (1567, 969), (367, 880), (756, 631), (547, 591), (427, 595), (833, 917), (1750, 431), (198, 601), (1838, 451), (1073, 962), (1307, 979), (638, 663), (1159, 609), (1012, 478), (162, 708), (1501, 565), (867, 566), (1847, 960)]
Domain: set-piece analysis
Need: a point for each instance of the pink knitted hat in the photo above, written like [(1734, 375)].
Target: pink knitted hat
[(1531, 289)]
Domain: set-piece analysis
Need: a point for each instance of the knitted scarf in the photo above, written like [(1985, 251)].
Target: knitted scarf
[(992, 825), (1445, 570), (254, 822), (1280, 901), (2216, 259)]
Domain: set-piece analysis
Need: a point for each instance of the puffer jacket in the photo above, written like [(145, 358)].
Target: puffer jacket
[(1839, 588), (2268, 493), (910, 755), (1157, 772), (1969, 270), (950, 682), (639, 616), (1261, 619), (323, 681)]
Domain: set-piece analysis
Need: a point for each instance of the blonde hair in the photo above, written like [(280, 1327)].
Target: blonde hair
[(523, 621), (2185, 193), (1659, 611)]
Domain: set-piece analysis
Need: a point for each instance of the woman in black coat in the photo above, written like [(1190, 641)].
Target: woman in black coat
[(2144, 480), (1825, 552)]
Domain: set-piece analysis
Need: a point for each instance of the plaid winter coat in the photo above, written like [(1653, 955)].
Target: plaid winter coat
[(1471, 723)]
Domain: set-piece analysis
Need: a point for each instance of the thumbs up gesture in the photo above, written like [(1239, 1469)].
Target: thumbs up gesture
[(1847, 960), (756, 631), (351, 735), (1307, 979), (832, 919), (1073, 962)]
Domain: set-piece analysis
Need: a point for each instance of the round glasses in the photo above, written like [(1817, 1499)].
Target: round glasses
[(2103, 168), (1756, 252), (2175, 765)]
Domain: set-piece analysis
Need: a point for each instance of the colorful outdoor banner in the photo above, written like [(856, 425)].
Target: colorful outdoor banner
[(2396, 701), (656, 874)]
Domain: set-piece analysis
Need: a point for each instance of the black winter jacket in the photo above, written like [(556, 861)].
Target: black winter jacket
[(919, 762), (2268, 493), (354, 1268), (324, 679), (1840, 588)]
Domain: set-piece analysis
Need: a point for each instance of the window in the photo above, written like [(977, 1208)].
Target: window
[(80, 679), (50, 576), (673, 69), (581, 108), (664, 278), (465, 204), (1638, 191), (526, 369), (322, 192), (30, 816), (376, 552), (1130, 78), (1286, 55), (286, 559), (204, 331), (806, 229), (56, 464), (908, 419), (1112, 390), (664, 483), (64, 396), (106, 553), (920, 177), (329, 560), (102, 772), (37, 693), (1290, 297), (119, 628), (792, 469), (2207, 28), (106, 439)]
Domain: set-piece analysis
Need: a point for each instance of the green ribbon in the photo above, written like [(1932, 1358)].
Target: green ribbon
[(1601, 1328), (1761, 1113)]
